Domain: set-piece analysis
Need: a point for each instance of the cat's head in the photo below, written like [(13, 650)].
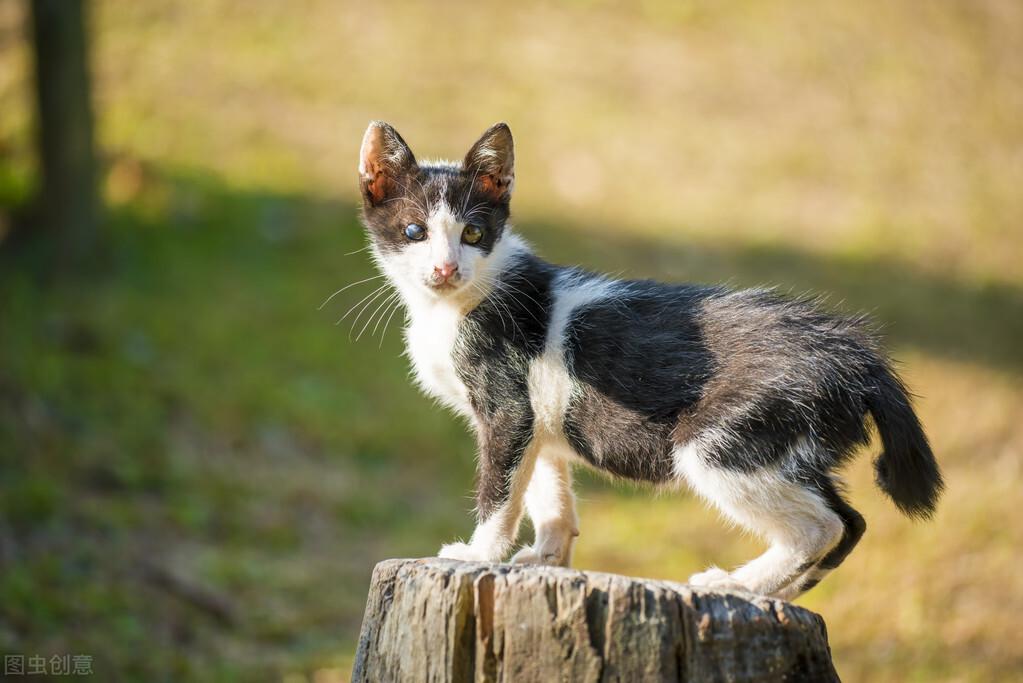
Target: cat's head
[(435, 227)]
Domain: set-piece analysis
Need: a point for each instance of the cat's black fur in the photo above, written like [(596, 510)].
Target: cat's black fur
[(659, 364), (495, 345)]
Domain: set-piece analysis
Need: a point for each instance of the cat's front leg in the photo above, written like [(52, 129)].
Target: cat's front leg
[(505, 467), (551, 506)]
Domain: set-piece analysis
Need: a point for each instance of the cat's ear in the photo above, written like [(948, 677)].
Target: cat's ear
[(383, 159), (491, 161)]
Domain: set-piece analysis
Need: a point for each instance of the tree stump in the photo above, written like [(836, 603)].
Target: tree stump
[(443, 620)]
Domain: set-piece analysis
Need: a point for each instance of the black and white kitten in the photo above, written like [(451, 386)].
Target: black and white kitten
[(751, 399)]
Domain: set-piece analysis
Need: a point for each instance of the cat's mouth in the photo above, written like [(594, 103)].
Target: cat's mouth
[(444, 287)]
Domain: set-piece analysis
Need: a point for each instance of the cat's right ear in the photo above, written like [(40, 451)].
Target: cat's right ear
[(492, 162), (383, 160)]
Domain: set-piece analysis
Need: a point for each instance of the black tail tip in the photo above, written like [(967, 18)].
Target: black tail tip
[(915, 489)]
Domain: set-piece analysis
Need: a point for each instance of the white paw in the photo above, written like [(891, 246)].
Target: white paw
[(716, 578), (461, 551), (554, 550), (531, 555)]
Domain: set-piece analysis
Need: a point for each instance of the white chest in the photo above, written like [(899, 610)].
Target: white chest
[(430, 340)]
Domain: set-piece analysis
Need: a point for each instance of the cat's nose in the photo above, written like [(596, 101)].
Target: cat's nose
[(445, 271)]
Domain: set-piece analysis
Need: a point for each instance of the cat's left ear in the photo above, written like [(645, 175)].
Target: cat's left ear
[(491, 161), (383, 159)]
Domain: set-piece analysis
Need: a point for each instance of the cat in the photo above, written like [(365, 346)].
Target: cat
[(751, 399)]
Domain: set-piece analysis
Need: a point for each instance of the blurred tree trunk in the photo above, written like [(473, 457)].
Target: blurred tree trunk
[(67, 205)]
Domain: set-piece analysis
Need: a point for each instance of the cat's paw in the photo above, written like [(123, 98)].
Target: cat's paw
[(716, 578), (461, 551), (530, 555), (554, 556)]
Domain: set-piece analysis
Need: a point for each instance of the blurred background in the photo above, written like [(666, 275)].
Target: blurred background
[(199, 469)]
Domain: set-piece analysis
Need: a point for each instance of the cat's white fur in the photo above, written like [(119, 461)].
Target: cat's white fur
[(433, 319), (550, 385), (797, 523)]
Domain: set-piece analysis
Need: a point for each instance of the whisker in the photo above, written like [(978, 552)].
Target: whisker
[(515, 324), (381, 287), (372, 315), (485, 296), (355, 320), (386, 324), (327, 300), (512, 289), (499, 303), (382, 310), (380, 318), (519, 291)]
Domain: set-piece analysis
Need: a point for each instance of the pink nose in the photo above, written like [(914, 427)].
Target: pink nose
[(445, 271)]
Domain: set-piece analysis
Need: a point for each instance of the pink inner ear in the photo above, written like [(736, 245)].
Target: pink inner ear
[(493, 185), (374, 178), (376, 184)]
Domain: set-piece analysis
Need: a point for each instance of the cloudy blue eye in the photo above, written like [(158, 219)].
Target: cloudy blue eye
[(472, 234), (415, 232)]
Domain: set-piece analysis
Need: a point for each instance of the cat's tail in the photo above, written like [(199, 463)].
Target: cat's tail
[(906, 469)]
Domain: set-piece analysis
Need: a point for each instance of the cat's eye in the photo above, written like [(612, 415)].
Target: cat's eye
[(415, 232), (472, 234)]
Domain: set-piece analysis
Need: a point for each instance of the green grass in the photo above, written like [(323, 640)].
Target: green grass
[(186, 415)]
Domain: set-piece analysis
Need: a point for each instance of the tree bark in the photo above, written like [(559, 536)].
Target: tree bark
[(67, 203), (442, 620)]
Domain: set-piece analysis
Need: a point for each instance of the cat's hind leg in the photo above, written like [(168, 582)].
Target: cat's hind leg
[(854, 527), (795, 519)]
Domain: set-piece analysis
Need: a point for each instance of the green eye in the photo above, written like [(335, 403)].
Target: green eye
[(415, 232), (472, 234)]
